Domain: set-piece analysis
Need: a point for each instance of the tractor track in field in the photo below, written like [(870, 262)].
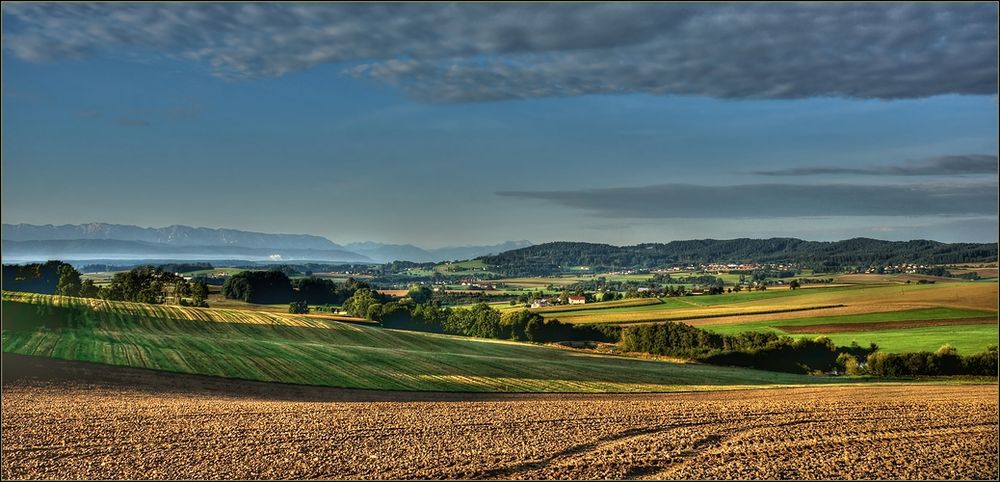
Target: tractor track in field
[(72, 420)]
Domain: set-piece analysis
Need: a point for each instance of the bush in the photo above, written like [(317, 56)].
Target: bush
[(945, 361), (984, 363), (298, 307), (847, 364)]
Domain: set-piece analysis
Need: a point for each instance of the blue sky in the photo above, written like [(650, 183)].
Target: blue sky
[(435, 124)]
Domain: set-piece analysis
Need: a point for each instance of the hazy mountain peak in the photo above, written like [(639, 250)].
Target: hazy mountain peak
[(174, 235)]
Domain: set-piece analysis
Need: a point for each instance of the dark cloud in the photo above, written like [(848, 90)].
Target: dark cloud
[(474, 52), (775, 200), (936, 166)]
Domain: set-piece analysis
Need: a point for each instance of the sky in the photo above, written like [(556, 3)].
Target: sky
[(460, 124)]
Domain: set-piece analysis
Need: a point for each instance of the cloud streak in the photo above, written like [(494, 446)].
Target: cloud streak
[(936, 166), (666, 201), (481, 52)]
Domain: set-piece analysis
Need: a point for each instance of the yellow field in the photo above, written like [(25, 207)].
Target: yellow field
[(174, 312), (891, 278), (542, 282), (600, 305)]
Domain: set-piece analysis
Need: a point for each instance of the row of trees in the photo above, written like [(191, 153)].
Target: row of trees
[(479, 320), (149, 284), (51, 278), (945, 361), (768, 351), (171, 267), (273, 287), (143, 284)]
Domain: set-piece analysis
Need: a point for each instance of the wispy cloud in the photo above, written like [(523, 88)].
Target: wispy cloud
[(935, 166), (476, 52), (667, 201)]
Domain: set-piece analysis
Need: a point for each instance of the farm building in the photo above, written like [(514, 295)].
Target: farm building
[(541, 303), (577, 300)]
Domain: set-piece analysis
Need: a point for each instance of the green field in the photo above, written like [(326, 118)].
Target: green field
[(733, 313), (967, 338), (312, 350), (463, 268)]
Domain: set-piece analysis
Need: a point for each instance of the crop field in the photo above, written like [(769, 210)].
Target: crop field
[(919, 317), (470, 267), (216, 300), (116, 423), (541, 282), (923, 329), (217, 270), (871, 278), (825, 301), (604, 305), (318, 350), (983, 272)]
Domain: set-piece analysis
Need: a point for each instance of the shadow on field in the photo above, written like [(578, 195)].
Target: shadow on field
[(32, 370)]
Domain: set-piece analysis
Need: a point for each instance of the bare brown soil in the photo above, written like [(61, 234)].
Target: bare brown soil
[(982, 272), (75, 420), (885, 325)]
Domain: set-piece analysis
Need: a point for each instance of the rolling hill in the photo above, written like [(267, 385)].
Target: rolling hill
[(319, 350), (557, 257)]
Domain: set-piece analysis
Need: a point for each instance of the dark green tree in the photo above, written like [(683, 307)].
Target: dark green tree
[(298, 307), (69, 281), (199, 293)]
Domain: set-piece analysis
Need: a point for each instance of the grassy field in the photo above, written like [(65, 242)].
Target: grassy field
[(463, 268), (317, 350), (543, 281), (953, 326)]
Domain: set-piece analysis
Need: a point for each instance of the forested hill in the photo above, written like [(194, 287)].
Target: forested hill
[(557, 257)]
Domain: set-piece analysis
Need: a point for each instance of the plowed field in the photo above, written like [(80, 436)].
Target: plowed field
[(91, 421)]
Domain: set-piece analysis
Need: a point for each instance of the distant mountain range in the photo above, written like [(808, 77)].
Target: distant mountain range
[(86, 249), (175, 235), (70, 242), (120, 241), (409, 252)]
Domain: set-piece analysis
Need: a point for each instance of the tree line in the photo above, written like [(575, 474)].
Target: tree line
[(558, 257), (479, 320), (273, 287), (769, 351), (944, 361), (143, 284), (171, 267)]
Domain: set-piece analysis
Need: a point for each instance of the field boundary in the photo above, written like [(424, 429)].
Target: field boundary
[(706, 316), (881, 325)]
